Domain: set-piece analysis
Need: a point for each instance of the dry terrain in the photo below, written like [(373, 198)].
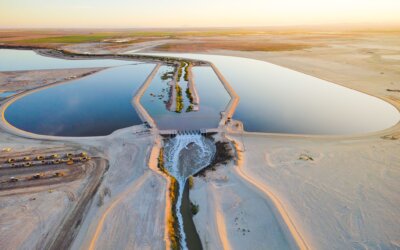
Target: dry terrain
[(317, 192)]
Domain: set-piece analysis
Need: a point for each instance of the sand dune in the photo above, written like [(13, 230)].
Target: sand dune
[(346, 199)]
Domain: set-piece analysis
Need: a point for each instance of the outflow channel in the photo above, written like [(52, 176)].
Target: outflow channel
[(185, 155)]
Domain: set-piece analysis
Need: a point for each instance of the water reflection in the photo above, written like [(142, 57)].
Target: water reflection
[(213, 99), (279, 100), (94, 105), (15, 60)]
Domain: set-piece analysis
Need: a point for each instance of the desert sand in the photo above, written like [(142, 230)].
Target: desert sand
[(116, 186), (343, 197), (284, 192)]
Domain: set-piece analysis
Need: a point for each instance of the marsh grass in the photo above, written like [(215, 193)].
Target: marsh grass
[(191, 182), (179, 99), (172, 221), (194, 208)]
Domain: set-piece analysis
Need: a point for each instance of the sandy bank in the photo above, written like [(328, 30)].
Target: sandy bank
[(235, 215), (345, 197), (119, 209), (339, 193), (27, 80), (193, 89)]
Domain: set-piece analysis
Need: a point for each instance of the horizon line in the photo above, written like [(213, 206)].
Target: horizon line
[(327, 25)]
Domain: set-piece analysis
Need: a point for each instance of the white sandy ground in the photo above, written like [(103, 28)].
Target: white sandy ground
[(128, 210), (238, 213), (28, 216), (25, 80), (347, 197), (133, 217), (25, 221)]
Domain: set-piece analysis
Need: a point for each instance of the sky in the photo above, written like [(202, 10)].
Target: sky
[(190, 13)]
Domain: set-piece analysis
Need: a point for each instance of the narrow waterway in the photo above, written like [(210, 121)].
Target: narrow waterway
[(185, 155)]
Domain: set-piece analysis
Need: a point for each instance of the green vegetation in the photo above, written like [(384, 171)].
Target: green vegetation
[(194, 208), (160, 162), (167, 75), (172, 224), (186, 76), (190, 182), (173, 227), (179, 72), (185, 65), (190, 108), (189, 95), (179, 99)]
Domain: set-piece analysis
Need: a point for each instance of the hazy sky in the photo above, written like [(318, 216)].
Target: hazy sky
[(191, 13)]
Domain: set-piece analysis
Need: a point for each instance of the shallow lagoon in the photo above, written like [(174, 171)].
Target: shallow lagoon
[(16, 60), (275, 99), (213, 100), (91, 106)]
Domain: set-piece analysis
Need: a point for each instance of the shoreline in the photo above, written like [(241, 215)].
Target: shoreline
[(254, 167), (142, 112), (395, 103), (282, 215), (67, 55), (228, 112), (324, 138), (193, 89)]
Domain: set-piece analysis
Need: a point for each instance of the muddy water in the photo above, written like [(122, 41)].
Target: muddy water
[(185, 155)]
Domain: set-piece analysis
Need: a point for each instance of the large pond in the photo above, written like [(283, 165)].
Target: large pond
[(15, 60), (272, 99), (275, 99), (157, 101), (91, 106)]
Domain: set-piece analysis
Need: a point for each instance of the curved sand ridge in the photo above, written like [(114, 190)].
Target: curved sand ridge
[(269, 195), (288, 222), (126, 150), (145, 116), (220, 221)]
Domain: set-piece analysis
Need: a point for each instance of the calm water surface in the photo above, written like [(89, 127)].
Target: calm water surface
[(15, 60), (213, 99), (274, 99), (91, 106)]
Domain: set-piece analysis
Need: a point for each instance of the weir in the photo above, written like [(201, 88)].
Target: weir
[(189, 132), (186, 154)]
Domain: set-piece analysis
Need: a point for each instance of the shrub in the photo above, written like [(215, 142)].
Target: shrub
[(190, 182), (194, 208), (189, 95), (179, 99)]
